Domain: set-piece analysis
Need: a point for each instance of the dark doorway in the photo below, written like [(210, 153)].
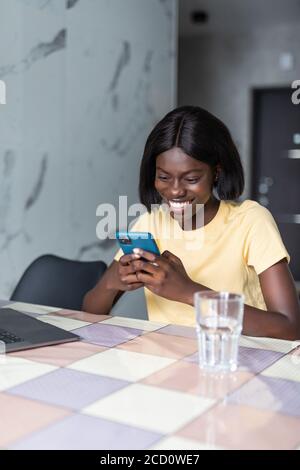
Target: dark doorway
[(276, 163)]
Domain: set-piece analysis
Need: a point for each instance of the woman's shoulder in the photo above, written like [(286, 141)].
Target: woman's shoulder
[(247, 211)]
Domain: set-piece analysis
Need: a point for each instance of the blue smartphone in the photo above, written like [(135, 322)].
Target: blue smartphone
[(130, 240)]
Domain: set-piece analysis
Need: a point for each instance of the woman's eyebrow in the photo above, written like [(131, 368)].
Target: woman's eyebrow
[(184, 173), (193, 170)]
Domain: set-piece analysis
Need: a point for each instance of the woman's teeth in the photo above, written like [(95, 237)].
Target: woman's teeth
[(179, 205)]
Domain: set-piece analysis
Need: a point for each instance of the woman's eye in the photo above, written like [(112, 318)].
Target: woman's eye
[(192, 180), (162, 178)]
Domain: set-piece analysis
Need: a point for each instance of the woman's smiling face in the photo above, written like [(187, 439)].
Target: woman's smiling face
[(182, 180)]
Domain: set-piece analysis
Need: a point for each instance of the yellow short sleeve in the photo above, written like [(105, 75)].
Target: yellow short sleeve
[(118, 255), (264, 246)]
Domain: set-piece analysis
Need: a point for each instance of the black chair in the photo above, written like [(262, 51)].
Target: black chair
[(58, 282)]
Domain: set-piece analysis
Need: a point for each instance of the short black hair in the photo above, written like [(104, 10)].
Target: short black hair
[(200, 135)]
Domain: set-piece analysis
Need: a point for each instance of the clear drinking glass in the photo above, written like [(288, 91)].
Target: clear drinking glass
[(219, 319)]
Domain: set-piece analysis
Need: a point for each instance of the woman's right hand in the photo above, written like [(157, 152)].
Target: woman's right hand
[(126, 273)]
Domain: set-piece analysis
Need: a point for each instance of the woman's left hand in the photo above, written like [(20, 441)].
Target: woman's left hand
[(164, 275)]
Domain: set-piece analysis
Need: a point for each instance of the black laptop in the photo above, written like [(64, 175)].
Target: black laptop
[(20, 331)]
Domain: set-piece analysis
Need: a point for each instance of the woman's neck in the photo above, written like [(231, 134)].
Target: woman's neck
[(210, 211)]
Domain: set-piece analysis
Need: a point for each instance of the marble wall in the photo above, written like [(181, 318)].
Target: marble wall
[(86, 81)]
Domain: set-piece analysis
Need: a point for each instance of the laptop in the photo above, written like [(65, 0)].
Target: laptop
[(20, 331)]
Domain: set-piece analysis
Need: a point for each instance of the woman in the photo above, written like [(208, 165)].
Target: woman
[(190, 159)]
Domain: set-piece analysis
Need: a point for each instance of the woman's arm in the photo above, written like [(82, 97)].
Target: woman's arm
[(282, 319), (102, 297), (118, 278)]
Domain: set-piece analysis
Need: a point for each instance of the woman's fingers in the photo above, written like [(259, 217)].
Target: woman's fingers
[(138, 266), (146, 279), (155, 260), (134, 285), (129, 279), (143, 267), (126, 270), (147, 266), (126, 259), (145, 254)]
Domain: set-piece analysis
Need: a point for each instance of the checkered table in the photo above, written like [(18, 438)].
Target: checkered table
[(134, 384)]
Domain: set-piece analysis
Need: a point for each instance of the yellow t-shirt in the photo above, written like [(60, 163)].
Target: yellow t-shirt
[(227, 254)]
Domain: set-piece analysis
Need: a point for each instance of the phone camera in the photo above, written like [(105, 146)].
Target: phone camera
[(125, 241)]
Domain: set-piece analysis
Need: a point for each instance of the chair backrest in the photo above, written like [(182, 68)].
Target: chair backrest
[(58, 282)]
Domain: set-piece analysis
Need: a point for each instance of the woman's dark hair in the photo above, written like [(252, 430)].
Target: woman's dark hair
[(199, 135)]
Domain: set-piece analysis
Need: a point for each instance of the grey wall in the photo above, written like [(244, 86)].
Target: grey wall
[(86, 81), (219, 71)]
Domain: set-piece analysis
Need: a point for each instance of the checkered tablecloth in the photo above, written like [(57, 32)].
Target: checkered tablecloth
[(134, 384)]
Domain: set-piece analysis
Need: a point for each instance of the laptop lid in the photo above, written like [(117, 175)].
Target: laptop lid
[(20, 331)]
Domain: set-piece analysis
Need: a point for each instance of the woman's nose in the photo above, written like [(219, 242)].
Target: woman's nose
[(177, 189)]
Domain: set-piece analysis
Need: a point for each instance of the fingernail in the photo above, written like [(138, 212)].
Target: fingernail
[(137, 251)]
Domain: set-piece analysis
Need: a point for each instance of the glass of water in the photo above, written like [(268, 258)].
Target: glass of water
[(219, 319)]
